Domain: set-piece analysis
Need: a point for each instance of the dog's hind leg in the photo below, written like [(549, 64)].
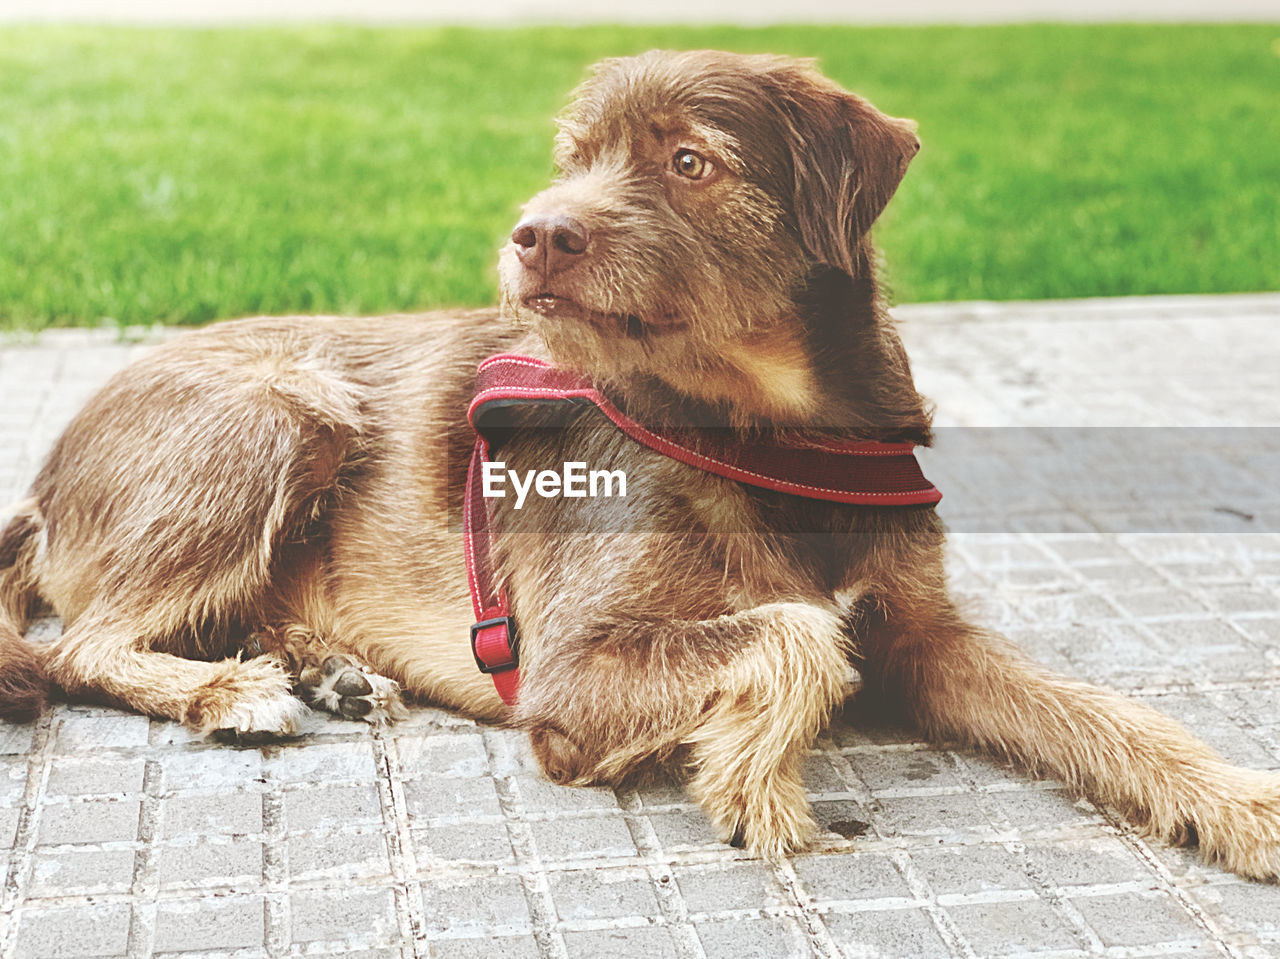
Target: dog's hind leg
[(167, 505), (330, 679), (342, 685), (963, 683)]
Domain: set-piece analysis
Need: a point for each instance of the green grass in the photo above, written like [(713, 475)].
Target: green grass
[(183, 176)]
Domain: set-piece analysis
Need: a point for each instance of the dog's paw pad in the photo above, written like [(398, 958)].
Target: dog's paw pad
[(352, 683), (344, 687)]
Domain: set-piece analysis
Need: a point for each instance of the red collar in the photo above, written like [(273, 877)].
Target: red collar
[(862, 473)]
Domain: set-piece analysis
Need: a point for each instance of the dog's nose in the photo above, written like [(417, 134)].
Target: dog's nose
[(550, 244)]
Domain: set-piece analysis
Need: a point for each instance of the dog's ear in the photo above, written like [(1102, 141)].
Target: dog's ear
[(847, 160)]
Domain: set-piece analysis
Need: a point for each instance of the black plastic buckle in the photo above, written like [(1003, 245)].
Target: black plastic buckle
[(513, 644)]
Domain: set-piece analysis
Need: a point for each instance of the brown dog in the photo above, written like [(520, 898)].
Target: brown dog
[(291, 485)]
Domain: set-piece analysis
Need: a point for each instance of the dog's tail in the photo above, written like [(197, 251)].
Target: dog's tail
[(23, 686)]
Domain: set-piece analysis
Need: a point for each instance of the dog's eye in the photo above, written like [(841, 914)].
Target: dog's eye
[(689, 164)]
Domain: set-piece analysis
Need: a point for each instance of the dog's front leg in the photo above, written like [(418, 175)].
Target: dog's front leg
[(771, 700), (745, 694), (964, 683)]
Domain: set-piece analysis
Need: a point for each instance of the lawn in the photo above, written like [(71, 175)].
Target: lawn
[(183, 176)]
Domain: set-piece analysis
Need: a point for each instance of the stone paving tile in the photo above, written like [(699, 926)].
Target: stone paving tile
[(1138, 919), (73, 931), (466, 798), (569, 840), (95, 821), (1012, 927), (621, 944), (476, 906), (217, 814), (898, 933), (752, 939), (85, 777), (199, 925), (1098, 861), (80, 871), (962, 870), (478, 843), (225, 863), (487, 947), (9, 819), (129, 837), (357, 916), (847, 878), (347, 854), (586, 894)]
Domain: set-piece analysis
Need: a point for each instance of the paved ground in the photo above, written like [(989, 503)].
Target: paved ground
[(747, 12), (438, 838)]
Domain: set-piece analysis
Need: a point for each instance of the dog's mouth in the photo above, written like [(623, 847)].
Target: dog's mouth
[(625, 324)]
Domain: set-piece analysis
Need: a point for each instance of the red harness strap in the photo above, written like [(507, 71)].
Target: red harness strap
[(863, 473)]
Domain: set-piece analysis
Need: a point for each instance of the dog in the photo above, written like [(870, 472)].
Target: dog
[(270, 505)]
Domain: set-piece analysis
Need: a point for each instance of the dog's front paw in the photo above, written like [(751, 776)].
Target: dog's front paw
[(1241, 831), (264, 719), (344, 687), (770, 821), (246, 701), (560, 758)]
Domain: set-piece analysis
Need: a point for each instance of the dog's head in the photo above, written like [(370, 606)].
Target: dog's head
[(699, 194)]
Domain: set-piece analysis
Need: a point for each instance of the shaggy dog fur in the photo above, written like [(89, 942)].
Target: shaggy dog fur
[(290, 486)]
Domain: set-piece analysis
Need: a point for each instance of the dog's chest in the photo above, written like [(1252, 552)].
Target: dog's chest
[(576, 501)]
